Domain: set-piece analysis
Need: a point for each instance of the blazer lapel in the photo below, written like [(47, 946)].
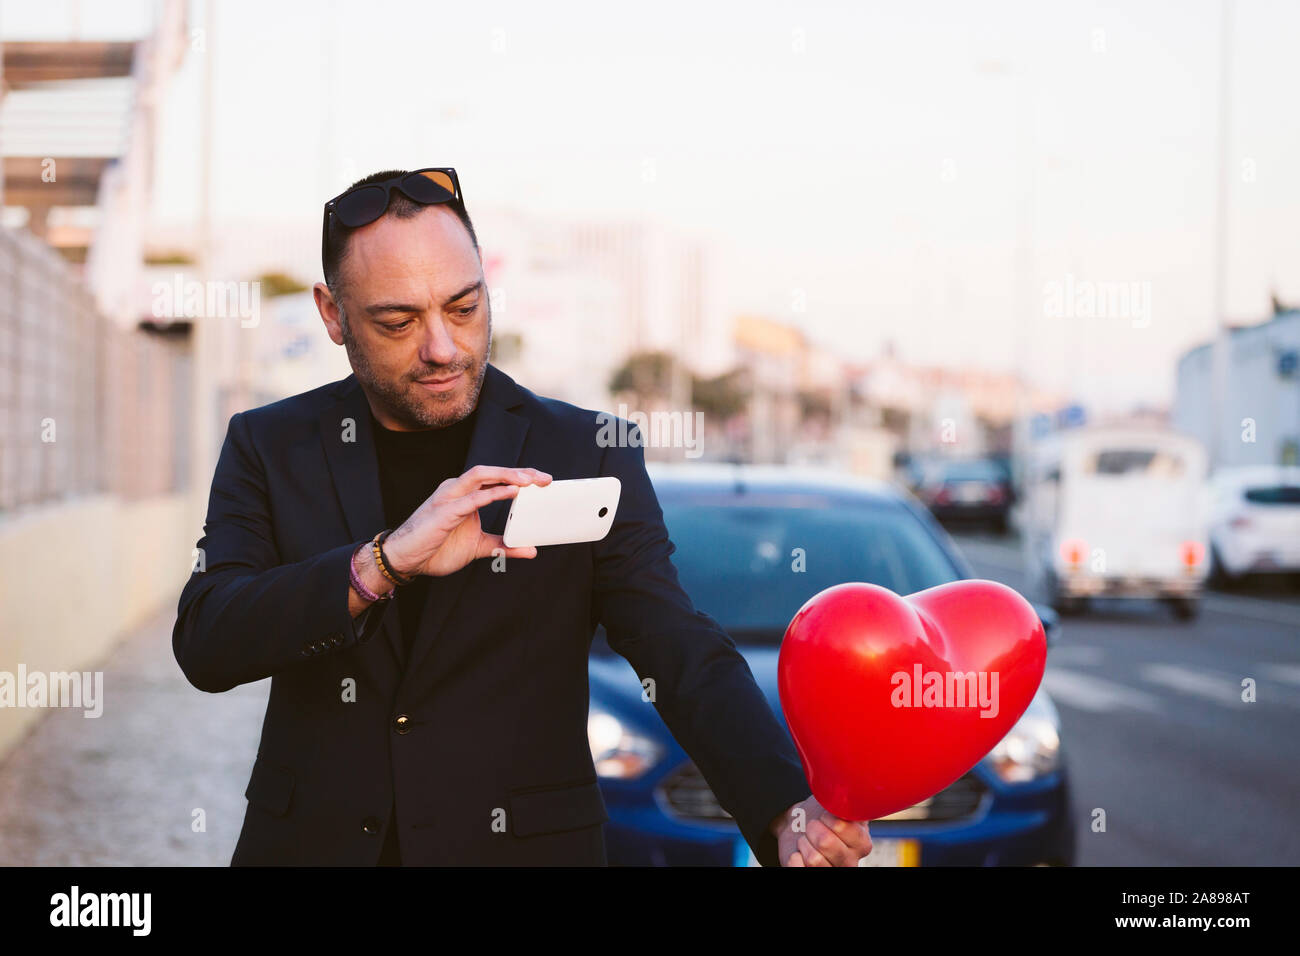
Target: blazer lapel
[(349, 442), (498, 439)]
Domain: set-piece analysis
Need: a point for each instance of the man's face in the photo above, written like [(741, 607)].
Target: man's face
[(418, 326)]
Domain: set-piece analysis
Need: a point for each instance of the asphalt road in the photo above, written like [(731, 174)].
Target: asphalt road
[(1155, 731)]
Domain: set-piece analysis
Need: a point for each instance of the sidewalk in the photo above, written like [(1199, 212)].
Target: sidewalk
[(121, 789)]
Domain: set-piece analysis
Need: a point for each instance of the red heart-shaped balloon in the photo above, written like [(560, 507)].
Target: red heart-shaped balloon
[(876, 729)]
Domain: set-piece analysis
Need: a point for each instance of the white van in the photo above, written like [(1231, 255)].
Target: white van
[(1117, 512)]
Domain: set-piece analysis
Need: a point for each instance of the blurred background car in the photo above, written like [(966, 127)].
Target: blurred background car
[(968, 490), (908, 470), (1254, 522), (736, 530), (1118, 512)]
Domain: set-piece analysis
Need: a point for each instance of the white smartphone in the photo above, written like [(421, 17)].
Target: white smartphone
[(570, 511)]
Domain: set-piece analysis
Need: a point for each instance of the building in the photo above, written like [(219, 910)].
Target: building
[(578, 298), (1259, 420), (962, 412)]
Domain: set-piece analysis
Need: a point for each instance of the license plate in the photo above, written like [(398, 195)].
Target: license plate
[(884, 852), (893, 853)]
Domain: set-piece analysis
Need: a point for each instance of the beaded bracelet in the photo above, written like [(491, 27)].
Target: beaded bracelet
[(359, 586), (385, 568)]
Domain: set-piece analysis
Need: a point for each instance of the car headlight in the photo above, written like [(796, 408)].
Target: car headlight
[(1032, 748), (617, 751)]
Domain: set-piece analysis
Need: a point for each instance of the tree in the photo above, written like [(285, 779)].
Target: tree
[(646, 375), (722, 396), (814, 405), (506, 347), (277, 283)]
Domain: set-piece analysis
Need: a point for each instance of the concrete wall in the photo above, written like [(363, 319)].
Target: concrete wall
[(76, 576)]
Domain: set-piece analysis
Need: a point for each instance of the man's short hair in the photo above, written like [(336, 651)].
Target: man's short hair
[(400, 206)]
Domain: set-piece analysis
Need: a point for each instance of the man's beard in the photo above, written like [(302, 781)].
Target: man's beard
[(399, 398)]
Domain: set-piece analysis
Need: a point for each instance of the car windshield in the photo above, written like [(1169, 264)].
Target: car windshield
[(1274, 495), (1130, 462), (738, 555), (970, 471)]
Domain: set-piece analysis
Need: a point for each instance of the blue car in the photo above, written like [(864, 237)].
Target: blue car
[(736, 529)]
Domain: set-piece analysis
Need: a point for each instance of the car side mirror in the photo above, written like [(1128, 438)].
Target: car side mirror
[(1051, 623)]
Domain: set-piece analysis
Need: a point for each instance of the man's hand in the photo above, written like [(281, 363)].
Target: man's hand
[(444, 533), (808, 834)]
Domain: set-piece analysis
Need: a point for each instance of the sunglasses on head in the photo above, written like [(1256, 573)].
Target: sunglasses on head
[(360, 205)]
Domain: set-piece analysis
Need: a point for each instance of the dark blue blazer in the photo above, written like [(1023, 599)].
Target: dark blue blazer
[(481, 735)]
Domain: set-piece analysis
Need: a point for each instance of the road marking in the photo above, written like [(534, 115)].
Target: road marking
[(1211, 687), (1085, 692), (1287, 673), (1270, 611)]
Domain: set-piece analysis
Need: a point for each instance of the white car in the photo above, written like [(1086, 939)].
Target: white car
[(1117, 512), (1255, 520)]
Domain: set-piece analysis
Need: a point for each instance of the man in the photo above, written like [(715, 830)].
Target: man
[(459, 736)]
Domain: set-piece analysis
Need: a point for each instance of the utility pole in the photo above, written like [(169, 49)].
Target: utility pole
[(203, 338), (1221, 427)]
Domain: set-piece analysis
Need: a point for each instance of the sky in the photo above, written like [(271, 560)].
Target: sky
[(921, 173)]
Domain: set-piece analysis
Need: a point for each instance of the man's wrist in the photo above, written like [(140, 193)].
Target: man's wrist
[(369, 573), (783, 818), (395, 558)]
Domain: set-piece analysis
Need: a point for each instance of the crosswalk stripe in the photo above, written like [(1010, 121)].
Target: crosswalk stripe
[(1288, 673), (1211, 687), (1086, 692)]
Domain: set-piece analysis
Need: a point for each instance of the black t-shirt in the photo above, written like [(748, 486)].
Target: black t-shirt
[(411, 467)]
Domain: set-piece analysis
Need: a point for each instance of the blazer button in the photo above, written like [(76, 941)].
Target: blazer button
[(371, 825), (403, 724)]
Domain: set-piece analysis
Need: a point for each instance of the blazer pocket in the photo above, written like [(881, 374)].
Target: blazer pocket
[(557, 809), (270, 787)]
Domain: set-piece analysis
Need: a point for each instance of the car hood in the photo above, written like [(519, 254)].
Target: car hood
[(614, 684)]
